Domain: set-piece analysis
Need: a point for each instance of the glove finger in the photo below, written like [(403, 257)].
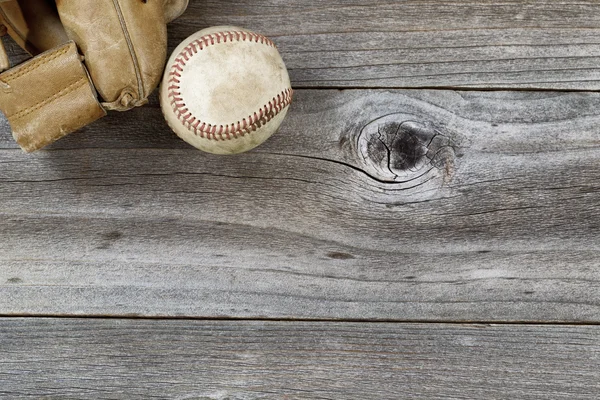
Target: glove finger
[(125, 53), (174, 9), (33, 24)]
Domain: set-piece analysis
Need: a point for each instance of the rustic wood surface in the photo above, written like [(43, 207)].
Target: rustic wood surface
[(107, 359), (487, 208), (351, 254), (422, 43)]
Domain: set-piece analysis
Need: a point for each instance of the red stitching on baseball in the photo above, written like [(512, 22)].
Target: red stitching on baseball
[(227, 131)]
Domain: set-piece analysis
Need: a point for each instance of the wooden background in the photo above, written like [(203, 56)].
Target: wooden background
[(424, 225)]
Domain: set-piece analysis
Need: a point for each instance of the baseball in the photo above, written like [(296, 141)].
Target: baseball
[(225, 90)]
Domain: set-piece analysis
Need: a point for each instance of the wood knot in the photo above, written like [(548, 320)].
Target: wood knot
[(399, 149)]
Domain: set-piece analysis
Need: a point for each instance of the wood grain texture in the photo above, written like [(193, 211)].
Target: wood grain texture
[(394, 205), (533, 44), (541, 44), (128, 359), (369, 205)]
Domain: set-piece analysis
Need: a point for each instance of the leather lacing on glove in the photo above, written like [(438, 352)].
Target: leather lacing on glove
[(126, 101)]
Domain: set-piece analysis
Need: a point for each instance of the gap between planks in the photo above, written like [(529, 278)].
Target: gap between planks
[(303, 320)]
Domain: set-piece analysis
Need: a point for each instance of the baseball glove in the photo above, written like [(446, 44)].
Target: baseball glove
[(89, 56)]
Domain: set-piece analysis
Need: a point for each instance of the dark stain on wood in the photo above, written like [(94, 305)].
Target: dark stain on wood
[(340, 256), (108, 239), (112, 236)]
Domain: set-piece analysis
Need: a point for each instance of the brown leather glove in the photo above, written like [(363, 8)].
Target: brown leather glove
[(83, 49)]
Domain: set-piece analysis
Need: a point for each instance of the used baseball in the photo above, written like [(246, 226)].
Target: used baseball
[(225, 90)]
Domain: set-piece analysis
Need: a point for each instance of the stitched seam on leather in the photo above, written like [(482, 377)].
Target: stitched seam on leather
[(44, 59), (227, 131), (134, 59), (75, 85)]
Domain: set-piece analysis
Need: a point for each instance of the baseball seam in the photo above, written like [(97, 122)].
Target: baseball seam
[(227, 131)]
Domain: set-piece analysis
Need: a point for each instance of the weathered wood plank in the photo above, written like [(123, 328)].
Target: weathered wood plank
[(403, 205), (65, 358), (535, 44), (450, 43)]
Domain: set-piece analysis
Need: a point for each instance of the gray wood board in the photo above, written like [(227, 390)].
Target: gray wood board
[(542, 44), (394, 205), (142, 359)]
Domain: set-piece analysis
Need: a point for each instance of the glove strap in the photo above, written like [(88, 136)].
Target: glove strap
[(48, 97)]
